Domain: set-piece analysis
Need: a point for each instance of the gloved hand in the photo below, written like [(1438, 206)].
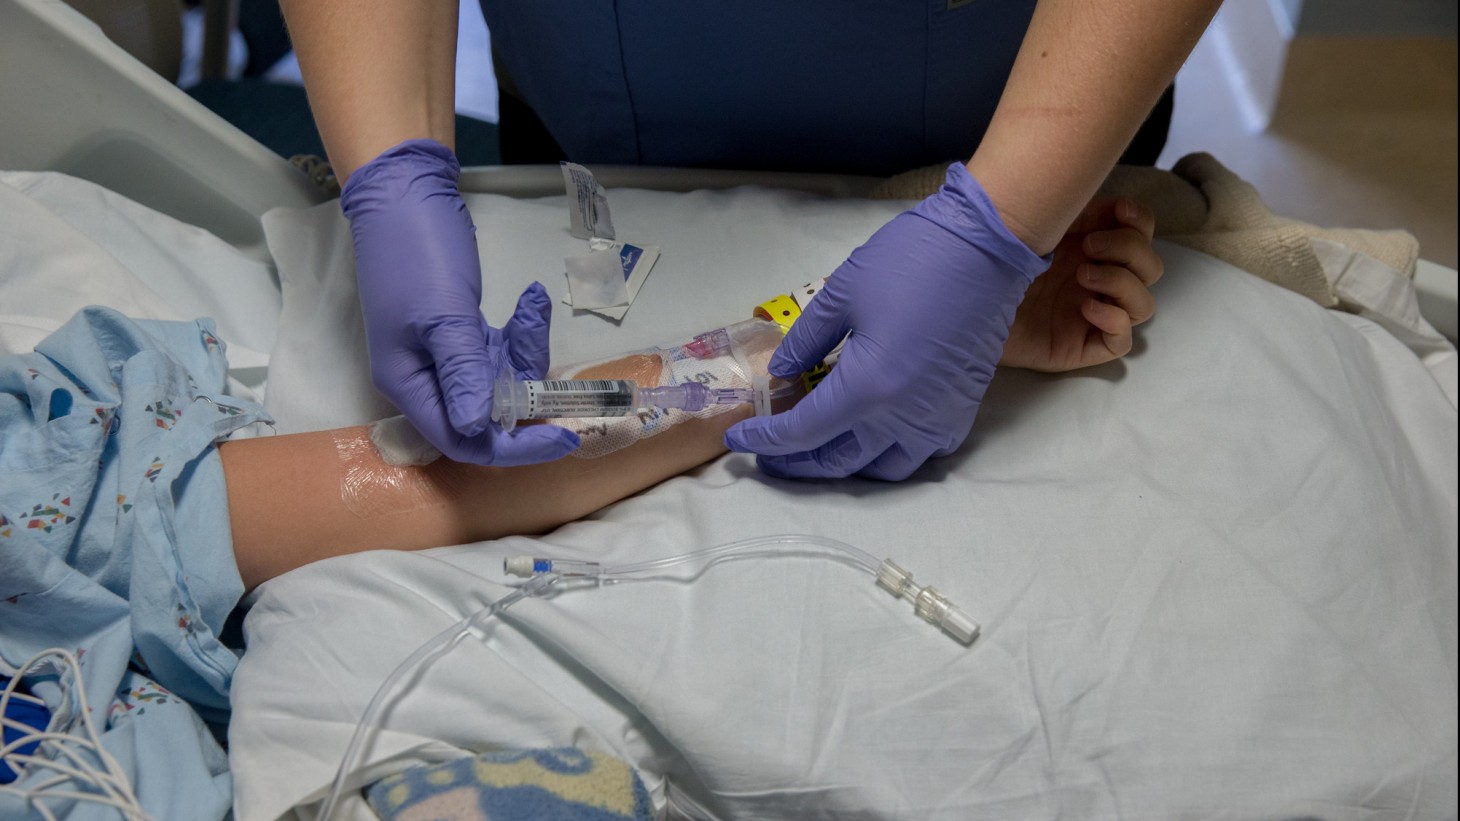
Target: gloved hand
[(432, 353), (928, 301)]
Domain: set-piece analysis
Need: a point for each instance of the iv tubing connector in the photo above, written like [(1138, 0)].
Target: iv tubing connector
[(528, 566), (930, 605)]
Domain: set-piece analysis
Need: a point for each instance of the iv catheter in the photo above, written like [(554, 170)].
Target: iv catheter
[(544, 573), (514, 400)]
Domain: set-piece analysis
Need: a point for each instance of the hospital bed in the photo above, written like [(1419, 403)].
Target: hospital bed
[(1216, 578)]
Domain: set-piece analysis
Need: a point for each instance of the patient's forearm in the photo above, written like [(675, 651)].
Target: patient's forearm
[(300, 498)]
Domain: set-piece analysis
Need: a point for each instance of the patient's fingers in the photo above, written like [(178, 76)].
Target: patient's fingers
[(1104, 213), (1136, 215), (1125, 290), (1127, 247), (1113, 326)]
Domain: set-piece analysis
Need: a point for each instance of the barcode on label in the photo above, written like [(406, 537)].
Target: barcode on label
[(581, 385)]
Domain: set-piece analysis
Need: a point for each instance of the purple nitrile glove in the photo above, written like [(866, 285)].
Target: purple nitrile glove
[(928, 302), (432, 353)]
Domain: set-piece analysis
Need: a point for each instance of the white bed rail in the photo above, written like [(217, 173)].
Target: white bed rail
[(1436, 288), (75, 102)]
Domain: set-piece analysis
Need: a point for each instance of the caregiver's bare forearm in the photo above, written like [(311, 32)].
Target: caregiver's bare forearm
[(378, 72), (300, 498), (1087, 74)]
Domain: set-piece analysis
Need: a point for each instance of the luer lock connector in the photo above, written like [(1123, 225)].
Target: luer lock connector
[(930, 605)]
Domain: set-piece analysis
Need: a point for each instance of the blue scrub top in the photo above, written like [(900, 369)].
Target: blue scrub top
[(852, 86)]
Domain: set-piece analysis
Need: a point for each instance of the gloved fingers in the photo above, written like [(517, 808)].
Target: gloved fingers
[(531, 444), (840, 457), (1111, 336), (526, 333), (816, 332), (419, 397), (1129, 248), (1121, 287), (465, 367), (408, 380), (817, 419), (948, 450), (1136, 215), (523, 446), (894, 464)]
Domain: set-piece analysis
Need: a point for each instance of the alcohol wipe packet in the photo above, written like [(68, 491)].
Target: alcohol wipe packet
[(607, 279)]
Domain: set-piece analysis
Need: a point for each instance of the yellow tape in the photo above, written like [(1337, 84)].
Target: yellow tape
[(781, 310), (784, 311)]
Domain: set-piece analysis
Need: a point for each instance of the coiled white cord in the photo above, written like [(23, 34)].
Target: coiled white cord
[(544, 573), (111, 785)]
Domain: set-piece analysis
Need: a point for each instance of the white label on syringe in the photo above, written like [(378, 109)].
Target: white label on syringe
[(561, 399)]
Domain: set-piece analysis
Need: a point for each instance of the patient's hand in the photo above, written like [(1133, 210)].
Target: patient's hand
[(1082, 310)]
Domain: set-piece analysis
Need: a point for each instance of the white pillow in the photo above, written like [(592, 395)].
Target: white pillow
[(66, 243), (1216, 578)]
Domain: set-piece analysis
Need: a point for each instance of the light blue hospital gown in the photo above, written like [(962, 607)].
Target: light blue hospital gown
[(115, 545)]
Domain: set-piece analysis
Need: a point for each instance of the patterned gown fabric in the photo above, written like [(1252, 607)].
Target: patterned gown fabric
[(115, 546)]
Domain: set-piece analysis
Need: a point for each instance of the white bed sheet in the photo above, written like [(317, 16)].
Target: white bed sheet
[(1217, 579), (66, 243)]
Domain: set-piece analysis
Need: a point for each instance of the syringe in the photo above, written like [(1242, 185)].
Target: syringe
[(514, 400)]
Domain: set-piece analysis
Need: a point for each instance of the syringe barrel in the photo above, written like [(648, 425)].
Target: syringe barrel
[(514, 400)]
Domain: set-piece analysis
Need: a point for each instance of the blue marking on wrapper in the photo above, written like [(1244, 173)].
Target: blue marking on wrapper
[(629, 257)]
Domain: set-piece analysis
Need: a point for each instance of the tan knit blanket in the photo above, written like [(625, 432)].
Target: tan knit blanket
[(1202, 205)]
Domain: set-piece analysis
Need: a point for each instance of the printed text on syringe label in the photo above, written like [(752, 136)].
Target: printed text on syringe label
[(566, 398)]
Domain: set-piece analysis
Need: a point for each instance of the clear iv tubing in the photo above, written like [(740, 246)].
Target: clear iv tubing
[(927, 602), (746, 549), (426, 653)]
